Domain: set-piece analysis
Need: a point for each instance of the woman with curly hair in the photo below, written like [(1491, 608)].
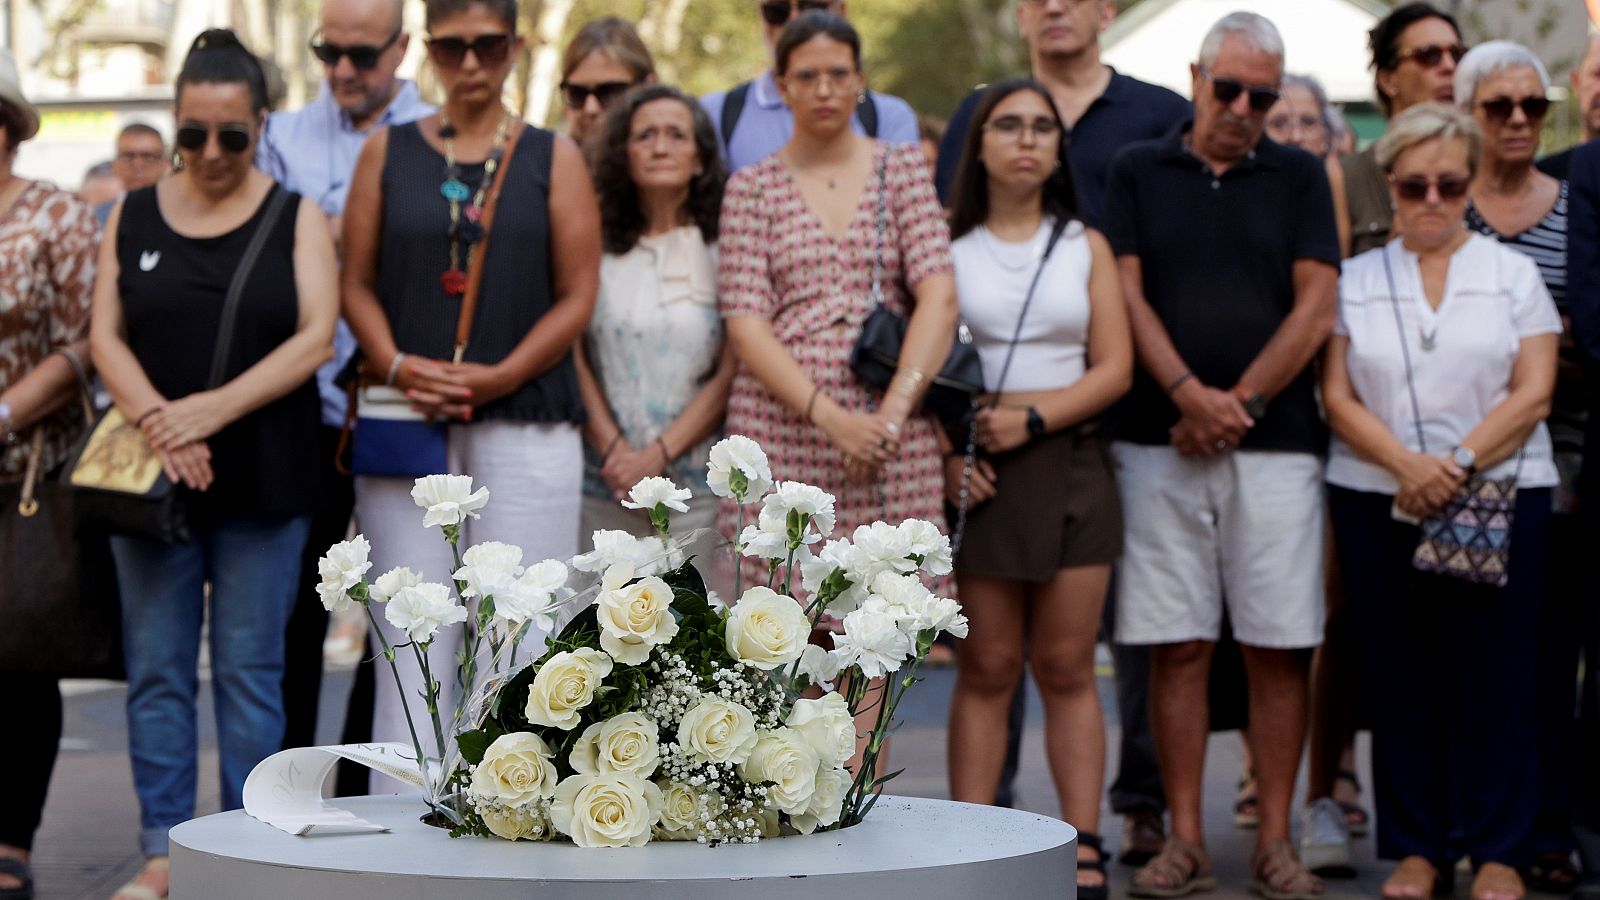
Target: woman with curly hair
[(654, 367)]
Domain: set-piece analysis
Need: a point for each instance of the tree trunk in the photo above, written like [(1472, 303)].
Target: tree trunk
[(552, 22)]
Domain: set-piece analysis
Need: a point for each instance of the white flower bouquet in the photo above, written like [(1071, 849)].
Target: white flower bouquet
[(656, 712)]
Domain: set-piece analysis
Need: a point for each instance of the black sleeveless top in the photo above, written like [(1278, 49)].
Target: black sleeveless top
[(414, 251), (172, 290)]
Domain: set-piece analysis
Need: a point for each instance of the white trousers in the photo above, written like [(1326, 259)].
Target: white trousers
[(534, 473)]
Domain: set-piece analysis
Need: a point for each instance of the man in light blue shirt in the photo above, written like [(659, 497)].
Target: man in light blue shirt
[(313, 152), (752, 122)]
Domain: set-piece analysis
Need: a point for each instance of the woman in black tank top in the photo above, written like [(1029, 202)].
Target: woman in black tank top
[(238, 448), (511, 399)]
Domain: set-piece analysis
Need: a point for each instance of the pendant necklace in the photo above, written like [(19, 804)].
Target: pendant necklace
[(1430, 339), (466, 223)]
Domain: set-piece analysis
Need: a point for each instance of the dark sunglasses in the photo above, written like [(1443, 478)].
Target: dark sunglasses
[(490, 49), (232, 138), (1430, 55), (1415, 188), (605, 93), (1227, 90), (362, 56), (1499, 109), (779, 12)]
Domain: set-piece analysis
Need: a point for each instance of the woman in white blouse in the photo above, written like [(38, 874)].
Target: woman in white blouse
[(1441, 369), (654, 368)]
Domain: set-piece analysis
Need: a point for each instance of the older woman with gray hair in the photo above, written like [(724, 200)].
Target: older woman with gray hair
[(1301, 117), (1437, 381), (1502, 85)]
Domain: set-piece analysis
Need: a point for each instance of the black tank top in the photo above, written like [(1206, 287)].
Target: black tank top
[(415, 250), (172, 290)]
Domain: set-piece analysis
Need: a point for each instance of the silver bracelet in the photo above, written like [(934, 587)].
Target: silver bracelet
[(394, 369)]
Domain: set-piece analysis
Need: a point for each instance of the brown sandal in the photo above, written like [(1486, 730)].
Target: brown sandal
[(1413, 879), (1497, 881), (1180, 869), (1279, 874)]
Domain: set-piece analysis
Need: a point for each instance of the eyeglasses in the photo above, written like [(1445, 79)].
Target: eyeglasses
[(779, 12), (1429, 55), (1069, 4), (1499, 109), (232, 138), (810, 80), (1010, 128), (143, 156), (605, 93), (1288, 124), (450, 52), (1415, 187), (1227, 90), (362, 56)]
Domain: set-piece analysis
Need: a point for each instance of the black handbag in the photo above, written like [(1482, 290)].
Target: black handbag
[(121, 488), (876, 354), (58, 598)]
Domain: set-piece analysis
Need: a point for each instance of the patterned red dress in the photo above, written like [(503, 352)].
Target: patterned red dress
[(777, 262)]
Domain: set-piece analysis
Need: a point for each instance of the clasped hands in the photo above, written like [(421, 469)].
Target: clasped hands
[(867, 439), (1427, 483), (177, 431), (1213, 421), (448, 391)]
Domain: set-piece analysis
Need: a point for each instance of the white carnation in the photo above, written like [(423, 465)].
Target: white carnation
[(873, 640), (737, 453), (392, 581), (448, 499), (819, 665), (422, 609), (657, 491), (926, 542), (341, 569), (646, 556)]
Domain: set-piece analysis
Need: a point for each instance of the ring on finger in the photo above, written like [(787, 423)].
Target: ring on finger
[(1222, 444)]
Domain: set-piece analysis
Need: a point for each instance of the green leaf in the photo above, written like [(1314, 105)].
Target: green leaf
[(475, 743)]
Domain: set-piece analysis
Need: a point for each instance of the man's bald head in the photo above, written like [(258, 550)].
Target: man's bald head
[(356, 25)]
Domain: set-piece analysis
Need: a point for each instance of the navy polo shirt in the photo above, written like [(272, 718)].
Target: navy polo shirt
[(1128, 110), (1217, 255)]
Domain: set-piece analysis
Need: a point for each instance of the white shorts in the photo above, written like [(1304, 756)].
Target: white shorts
[(1245, 526)]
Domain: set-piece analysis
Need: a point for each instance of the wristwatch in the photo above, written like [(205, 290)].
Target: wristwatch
[(1465, 458), (1035, 424), (1255, 404)]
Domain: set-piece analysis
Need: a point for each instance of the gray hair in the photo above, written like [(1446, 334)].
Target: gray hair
[(1312, 86), (1429, 122), (1255, 28), (1490, 57)]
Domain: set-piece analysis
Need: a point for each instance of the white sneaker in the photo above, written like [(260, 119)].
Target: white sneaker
[(1325, 840)]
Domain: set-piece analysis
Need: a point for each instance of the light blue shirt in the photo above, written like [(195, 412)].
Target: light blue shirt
[(313, 152), (766, 124)]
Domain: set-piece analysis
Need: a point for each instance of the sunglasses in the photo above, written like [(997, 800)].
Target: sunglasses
[(605, 93), (1227, 90), (362, 56), (232, 138), (1429, 55), (1415, 188), (450, 52), (1499, 109), (779, 12)]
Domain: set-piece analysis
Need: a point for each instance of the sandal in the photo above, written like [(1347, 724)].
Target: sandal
[(19, 870), (1414, 879), (1246, 809), (1092, 891), (1277, 874), (1552, 873), (133, 890), (1355, 815), (1143, 836), (1498, 881), (1180, 869)]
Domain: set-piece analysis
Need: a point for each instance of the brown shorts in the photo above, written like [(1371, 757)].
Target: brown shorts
[(1057, 508)]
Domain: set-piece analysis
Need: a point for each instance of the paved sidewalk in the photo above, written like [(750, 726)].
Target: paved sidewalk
[(87, 845)]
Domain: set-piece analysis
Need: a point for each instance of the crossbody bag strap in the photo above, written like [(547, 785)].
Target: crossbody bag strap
[(81, 373), (1027, 301), (241, 275), (1405, 351), (480, 250), (881, 227)]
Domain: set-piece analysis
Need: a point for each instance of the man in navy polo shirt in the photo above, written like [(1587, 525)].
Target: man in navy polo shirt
[(1230, 261)]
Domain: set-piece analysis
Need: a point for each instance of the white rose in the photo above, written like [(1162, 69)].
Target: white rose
[(784, 758), (737, 453), (390, 583), (616, 809), (873, 640), (564, 685), (766, 629), (883, 548), (646, 556), (629, 742), (422, 609), (533, 595), (818, 665), (448, 499), (718, 730), (827, 802), (515, 770), (341, 569), (826, 725), (680, 811), (657, 491), (929, 544), (529, 823), (634, 618)]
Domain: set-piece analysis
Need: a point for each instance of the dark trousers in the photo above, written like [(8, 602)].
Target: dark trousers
[(33, 704), (1586, 821), (1449, 673), (1566, 599), (1137, 787)]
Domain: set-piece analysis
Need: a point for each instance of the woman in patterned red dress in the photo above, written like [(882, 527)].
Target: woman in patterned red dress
[(798, 239)]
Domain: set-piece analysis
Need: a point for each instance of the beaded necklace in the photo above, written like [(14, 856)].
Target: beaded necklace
[(466, 223)]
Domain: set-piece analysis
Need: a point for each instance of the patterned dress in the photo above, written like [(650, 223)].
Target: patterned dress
[(777, 262), (48, 240)]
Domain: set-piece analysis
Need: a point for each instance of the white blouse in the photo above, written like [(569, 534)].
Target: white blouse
[(992, 278), (1461, 354)]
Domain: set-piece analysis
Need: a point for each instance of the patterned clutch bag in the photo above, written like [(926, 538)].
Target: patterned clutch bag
[(1470, 538)]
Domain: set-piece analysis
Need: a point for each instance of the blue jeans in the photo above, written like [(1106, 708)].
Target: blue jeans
[(252, 564)]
